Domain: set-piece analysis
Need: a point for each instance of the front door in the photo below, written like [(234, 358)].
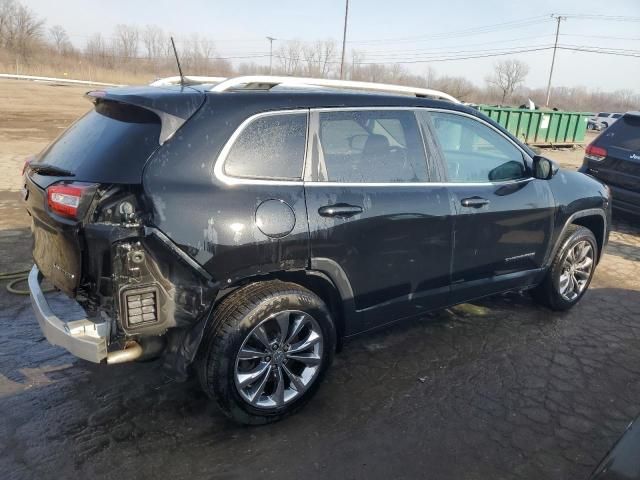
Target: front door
[(373, 215), (504, 217)]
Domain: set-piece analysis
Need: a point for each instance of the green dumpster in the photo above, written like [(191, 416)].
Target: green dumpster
[(542, 128)]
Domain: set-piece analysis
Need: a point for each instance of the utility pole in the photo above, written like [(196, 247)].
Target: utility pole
[(271, 39), (344, 39), (553, 59)]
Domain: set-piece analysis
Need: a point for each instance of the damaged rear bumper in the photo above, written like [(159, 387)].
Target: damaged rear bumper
[(83, 338)]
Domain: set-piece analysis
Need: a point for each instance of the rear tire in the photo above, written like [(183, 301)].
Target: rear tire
[(257, 373), (571, 271)]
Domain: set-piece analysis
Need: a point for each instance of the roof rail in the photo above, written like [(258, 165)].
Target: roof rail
[(267, 82), (189, 80)]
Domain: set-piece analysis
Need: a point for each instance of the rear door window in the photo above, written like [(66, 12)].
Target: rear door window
[(270, 147), (110, 144), (625, 133), (370, 146)]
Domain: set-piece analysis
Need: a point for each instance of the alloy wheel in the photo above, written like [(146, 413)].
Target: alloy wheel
[(279, 359), (576, 270)]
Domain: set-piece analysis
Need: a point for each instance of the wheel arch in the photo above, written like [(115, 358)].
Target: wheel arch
[(320, 282), (597, 225), (595, 219)]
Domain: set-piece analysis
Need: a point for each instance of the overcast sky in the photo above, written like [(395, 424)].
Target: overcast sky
[(411, 31)]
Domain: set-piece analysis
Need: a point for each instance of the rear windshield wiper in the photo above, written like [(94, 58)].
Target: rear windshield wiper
[(50, 170)]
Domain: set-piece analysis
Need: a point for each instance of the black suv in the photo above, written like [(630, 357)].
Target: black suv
[(614, 158), (248, 227)]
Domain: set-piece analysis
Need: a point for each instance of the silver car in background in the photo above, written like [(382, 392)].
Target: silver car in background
[(603, 120)]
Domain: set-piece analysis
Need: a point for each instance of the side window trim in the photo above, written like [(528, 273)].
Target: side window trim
[(218, 168), (312, 131), (526, 158)]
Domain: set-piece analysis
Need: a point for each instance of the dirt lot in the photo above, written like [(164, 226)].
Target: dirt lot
[(499, 389)]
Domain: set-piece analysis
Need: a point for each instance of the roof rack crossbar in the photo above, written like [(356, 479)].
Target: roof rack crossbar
[(189, 79), (267, 82)]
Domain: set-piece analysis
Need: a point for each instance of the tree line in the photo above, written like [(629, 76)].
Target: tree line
[(133, 54)]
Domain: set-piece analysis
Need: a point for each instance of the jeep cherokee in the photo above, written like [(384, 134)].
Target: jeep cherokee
[(246, 228)]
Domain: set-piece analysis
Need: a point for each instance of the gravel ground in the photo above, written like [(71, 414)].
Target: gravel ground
[(498, 389)]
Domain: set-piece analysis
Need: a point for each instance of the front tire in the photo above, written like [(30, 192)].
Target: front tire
[(266, 351), (571, 271)]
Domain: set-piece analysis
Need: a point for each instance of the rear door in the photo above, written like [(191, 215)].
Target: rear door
[(504, 217), (374, 217), (621, 166)]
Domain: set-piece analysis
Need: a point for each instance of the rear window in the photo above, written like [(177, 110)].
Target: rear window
[(625, 133), (616, 115), (110, 144)]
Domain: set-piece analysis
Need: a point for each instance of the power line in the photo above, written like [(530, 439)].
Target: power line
[(488, 55), (461, 33), (440, 59), (613, 18), (592, 50), (419, 50), (439, 53), (607, 37)]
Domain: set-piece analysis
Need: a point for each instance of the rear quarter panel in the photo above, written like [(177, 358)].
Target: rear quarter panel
[(212, 221)]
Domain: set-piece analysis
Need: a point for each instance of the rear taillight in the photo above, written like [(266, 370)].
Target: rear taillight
[(66, 199), (595, 153)]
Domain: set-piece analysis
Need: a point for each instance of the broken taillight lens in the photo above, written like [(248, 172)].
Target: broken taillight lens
[(66, 199)]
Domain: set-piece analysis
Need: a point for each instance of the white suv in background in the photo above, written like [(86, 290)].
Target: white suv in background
[(604, 120)]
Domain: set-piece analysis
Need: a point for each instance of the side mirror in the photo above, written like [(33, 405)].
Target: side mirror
[(543, 168)]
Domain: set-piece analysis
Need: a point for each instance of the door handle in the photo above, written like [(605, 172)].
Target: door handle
[(340, 210), (474, 202)]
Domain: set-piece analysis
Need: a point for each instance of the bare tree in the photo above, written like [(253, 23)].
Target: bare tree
[(430, 77), (98, 52), (459, 87), (508, 75), (126, 41), (207, 54), (354, 67), (289, 58), (7, 12), (153, 39), (21, 29), (318, 58), (60, 39)]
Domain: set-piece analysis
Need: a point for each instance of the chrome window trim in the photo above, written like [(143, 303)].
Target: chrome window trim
[(416, 184), (218, 168), (526, 156)]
